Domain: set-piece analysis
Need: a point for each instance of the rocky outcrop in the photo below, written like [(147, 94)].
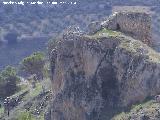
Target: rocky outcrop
[(137, 25), (95, 74)]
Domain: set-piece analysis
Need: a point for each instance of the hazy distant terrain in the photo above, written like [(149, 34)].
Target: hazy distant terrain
[(42, 23), (13, 54)]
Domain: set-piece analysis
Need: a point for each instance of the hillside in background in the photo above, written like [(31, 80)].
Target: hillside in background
[(28, 28)]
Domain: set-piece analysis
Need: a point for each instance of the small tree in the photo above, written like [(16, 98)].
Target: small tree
[(34, 64), (8, 80)]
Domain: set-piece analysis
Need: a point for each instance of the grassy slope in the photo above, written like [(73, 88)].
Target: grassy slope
[(19, 112)]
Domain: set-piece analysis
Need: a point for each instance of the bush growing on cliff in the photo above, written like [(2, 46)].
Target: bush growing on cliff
[(34, 64), (8, 80)]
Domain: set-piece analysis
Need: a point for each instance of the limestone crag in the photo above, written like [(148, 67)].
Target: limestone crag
[(95, 74)]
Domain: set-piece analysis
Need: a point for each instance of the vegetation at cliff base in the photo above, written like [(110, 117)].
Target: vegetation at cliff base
[(8, 82), (27, 87)]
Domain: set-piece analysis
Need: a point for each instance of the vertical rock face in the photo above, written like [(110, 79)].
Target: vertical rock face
[(137, 25), (93, 75)]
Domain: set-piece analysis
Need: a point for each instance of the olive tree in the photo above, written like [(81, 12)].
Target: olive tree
[(34, 64)]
